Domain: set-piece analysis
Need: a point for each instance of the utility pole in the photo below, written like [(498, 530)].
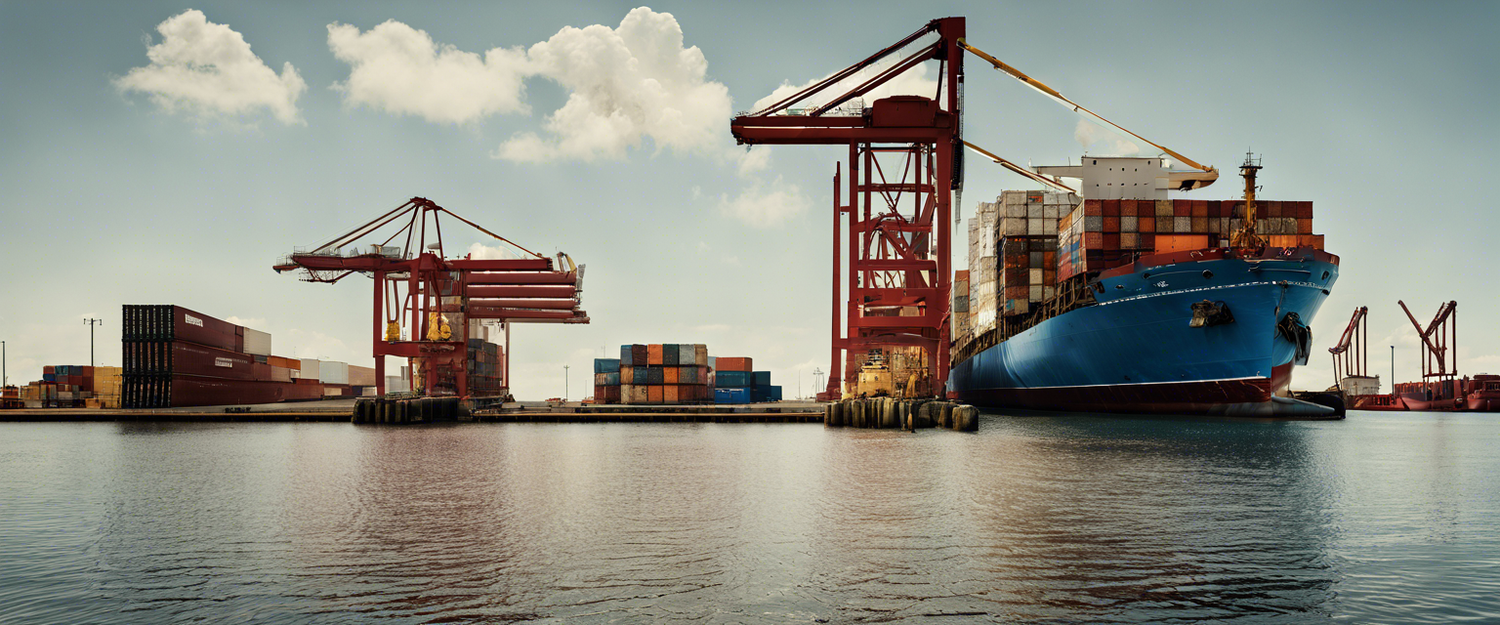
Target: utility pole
[(565, 384), (91, 323), (1393, 371), (4, 379)]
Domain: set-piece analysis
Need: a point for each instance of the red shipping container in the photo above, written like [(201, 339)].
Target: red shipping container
[(1111, 240), (1148, 241), (1182, 208), (1093, 208), (1145, 224), (187, 390), (195, 327), (1111, 224), (1111, 208), (726, 363), (1127, 208), (1093, 240), (1200, 208)]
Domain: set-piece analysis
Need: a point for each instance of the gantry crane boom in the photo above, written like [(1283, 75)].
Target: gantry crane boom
[(1051, 181), (1349, 355), (1183, 180)]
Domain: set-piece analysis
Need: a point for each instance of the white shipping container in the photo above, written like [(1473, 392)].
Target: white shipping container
[(333, 372), (257, 342), (396, 384), (1036, 293), (1036, 277), (1036, 211), (1034, 227), (1049, 227), (310, 369)]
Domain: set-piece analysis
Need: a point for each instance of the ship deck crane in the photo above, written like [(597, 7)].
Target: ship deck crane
[(1180, 180), (430, 323)]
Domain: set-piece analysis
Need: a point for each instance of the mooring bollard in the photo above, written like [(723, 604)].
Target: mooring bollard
[(971, 419)]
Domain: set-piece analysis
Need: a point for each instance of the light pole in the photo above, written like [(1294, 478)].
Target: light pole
[(4, 379), (1393, 370), (565, 384), (91, 323), (817, 378)]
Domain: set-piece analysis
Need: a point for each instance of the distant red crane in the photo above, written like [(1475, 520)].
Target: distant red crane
[(430, 323), (905, 164), (1349, 355), (1437, 339)]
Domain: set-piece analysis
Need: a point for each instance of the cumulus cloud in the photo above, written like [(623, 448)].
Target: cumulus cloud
[(401, 70), (762, 207), (626, 84), (1088, 133), (911, 82), (208, 68), (480, 251)]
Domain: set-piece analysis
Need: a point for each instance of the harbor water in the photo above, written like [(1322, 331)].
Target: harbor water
[(1383, 517)]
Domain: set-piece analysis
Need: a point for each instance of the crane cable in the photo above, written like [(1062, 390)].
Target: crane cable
[(1050, 92), (1022, 170)]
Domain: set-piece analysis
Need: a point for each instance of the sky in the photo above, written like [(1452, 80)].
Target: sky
[(160, 152)]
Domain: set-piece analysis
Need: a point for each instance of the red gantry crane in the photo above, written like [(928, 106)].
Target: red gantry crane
[(428, 306), (905, 163)]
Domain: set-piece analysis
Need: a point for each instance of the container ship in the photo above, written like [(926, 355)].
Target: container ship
[(1135, 303)]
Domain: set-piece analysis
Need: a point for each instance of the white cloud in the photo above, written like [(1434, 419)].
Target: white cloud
[(480, 251), (911, 82), (399, 69), (254, 323), (760, 207), (1088, 133), (208, 68), (626, 84), (755, 160)]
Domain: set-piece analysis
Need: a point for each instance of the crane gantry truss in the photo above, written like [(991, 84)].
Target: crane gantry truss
[(905, 166), (429, 323)]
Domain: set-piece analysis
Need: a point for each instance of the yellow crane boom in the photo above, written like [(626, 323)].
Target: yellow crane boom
[(1050, 181), (1188, 182)]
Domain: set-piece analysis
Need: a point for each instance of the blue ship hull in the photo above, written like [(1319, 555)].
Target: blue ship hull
[(1136, 352)]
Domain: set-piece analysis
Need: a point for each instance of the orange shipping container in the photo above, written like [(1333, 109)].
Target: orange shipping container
[(653, 354), (726, 363), (654, 395), (670, 395), (1146, 224), (1180, 242), (670, 374)]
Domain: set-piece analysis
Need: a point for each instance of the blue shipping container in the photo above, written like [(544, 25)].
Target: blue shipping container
[(762, 378), (606, 365), (731, 396), (625, 356), (639, 375), (612, 379), (733, 379)]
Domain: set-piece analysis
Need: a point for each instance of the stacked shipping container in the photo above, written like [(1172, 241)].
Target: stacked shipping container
[(678, 374), (74, 385), (485, 364), (656, 374), (1103, 234), (178, 357), (1026, 245)]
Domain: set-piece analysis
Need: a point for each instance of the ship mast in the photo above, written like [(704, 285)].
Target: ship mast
[(1246, 237)]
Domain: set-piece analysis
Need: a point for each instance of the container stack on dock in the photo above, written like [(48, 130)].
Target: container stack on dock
[(71, 386), (178, 357), (1013, 245), (654, 374), (678, 374), (485, 363)]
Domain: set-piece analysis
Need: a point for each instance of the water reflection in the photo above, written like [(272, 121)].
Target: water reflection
[(1035, 518)]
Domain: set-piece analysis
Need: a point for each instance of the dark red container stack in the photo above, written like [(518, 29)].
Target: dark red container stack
[(1103, 234), (177, 357)]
